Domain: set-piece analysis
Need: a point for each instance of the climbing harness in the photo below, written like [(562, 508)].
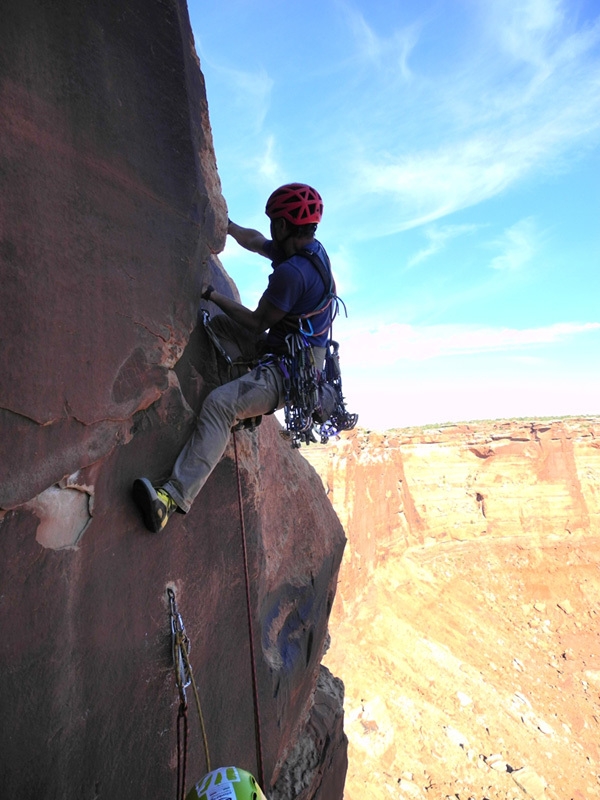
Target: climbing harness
[(314, 402), (184, 677)]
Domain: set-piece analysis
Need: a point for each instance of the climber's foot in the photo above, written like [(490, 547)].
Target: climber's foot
[(155, 504)]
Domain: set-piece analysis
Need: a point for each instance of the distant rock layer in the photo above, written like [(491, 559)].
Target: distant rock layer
[(465, 627), (459, 482), (110, 212)]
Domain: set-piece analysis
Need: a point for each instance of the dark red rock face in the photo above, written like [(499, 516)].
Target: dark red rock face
[(110, 205)]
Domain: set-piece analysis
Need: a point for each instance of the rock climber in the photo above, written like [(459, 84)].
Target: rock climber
[(295, 288)]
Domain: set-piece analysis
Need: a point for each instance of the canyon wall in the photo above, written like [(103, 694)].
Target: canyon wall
[(110, 213), (421, 486), (466, 623)]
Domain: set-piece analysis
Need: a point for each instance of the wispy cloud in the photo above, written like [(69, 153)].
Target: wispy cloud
[(344, 270), (527, 97), (424, 186), (527, 30), (438, 237), (390, 344), (390, 52), (251, 92), (517, 246), (248, 91), (368, 44), (268, 167)]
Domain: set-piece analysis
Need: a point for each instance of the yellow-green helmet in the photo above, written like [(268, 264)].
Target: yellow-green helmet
[(226, 783)]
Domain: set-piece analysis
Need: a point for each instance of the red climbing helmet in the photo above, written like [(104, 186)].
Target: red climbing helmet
[(299, 203)]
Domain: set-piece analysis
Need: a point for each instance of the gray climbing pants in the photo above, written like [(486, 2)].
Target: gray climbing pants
[(250, 394)]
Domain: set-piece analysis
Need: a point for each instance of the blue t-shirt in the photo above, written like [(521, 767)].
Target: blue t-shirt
[(296, 287)]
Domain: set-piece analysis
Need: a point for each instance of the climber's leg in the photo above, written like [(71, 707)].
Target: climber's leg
[(237, 341), (154, 503), (250, 394), (256, 393)]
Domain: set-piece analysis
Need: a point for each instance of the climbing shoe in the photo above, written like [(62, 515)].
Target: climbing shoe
[(248, 424), (155, 504)]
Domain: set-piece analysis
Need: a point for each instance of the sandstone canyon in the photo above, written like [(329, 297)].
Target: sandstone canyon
[(466, 626), (110, 213)]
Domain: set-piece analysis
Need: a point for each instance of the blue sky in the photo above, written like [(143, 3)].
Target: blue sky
[(457, 149)]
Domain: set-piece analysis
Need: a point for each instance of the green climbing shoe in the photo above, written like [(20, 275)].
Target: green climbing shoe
[(155, 504)]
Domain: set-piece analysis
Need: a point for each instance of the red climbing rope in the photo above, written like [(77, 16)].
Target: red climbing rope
[(259, 754)]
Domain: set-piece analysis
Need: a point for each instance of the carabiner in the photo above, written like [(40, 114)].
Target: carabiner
[(179, 640)]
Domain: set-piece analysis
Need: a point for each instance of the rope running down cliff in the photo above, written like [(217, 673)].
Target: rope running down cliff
[(184, 676), (259, 753)]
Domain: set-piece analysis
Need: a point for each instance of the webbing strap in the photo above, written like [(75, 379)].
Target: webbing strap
[(324, 270), (329, 298), (326, 275)]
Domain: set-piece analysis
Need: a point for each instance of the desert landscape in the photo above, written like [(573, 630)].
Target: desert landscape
[(466, 624)]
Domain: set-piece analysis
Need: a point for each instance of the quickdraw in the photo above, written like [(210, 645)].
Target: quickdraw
[(215, 339), (300, 379), (338, 419), (184, 677), (314, 400)]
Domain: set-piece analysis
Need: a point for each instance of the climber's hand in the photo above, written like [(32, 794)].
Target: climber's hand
[(207, 290)]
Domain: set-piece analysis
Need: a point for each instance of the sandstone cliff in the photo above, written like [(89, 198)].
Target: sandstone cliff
[(466, 621), (110, 209)]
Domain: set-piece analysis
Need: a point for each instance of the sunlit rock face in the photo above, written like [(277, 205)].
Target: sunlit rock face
[(110, 211), (466, 622)]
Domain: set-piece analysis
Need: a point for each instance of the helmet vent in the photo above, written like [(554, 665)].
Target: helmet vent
[(298, 203)]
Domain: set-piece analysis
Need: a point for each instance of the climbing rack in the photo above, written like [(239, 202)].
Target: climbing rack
[(300, 378), (314, 400)]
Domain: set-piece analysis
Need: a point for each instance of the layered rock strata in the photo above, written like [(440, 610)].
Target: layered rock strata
[(466, 622), (421, 486)]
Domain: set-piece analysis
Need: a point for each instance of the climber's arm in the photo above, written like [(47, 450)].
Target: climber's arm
[(250, 239), (261, 319)]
